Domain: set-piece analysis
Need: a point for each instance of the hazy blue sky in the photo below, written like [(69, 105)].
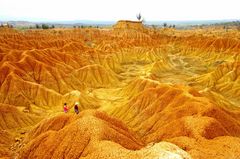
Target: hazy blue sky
[(109, 10)]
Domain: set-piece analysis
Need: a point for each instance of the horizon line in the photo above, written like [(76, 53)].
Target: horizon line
[(90, 20)]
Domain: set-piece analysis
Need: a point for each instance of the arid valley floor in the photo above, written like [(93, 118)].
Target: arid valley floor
[(144, 93)]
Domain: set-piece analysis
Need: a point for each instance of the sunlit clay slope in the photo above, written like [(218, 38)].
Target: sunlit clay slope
[(225, 79), (12, 118), (91, 134), (5, 142), (96, 76), (170, 113), (142, 92)]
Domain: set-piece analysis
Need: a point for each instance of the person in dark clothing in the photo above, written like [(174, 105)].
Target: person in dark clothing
[(76, 108)]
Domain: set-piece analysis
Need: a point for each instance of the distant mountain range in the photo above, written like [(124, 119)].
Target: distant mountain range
[(60, 23), (109, 23)]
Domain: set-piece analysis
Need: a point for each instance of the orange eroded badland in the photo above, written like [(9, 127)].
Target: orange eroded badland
[(143, 93)]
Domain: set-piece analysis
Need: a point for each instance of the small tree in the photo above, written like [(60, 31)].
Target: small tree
[(225, 28), (154, 27), (53, 26), (164, 25), (174, 26), (45, 26), (139, 16), (38, 26)]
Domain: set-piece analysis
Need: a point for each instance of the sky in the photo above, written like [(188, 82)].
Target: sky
[(113, 10)]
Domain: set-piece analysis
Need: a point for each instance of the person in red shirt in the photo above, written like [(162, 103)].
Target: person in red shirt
[(65, 108)]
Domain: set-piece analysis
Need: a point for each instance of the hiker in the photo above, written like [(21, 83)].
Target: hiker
[(76, 108), (65, 108)]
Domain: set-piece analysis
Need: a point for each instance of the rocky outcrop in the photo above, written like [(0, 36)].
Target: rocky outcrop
[(127, 24)]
